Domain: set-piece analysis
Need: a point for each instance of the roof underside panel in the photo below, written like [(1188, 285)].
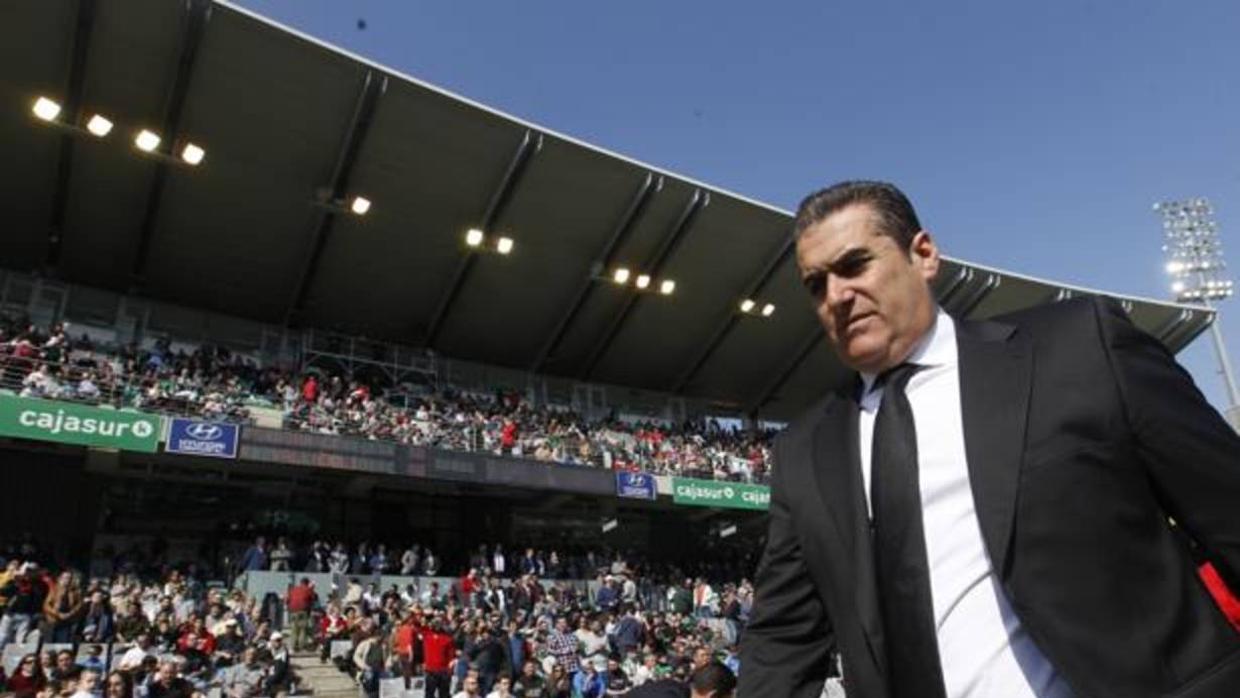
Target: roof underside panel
[(607, 299), (757, 347), (430, 165), (722, 252), (560, 222), (271, 115), (35, 43)]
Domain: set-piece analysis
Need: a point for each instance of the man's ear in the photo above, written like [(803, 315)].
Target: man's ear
[(924, 253)]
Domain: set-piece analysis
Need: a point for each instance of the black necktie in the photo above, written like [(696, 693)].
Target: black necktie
[(900, 564)]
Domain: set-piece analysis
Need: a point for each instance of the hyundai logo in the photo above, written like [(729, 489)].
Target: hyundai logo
[(204, 432)]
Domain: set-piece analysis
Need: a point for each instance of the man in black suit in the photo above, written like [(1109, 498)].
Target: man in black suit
[(984, 512)]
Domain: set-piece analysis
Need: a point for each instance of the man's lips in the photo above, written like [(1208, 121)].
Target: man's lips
[(853, 321)]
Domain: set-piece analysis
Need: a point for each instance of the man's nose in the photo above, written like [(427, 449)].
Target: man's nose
[(839, 292)]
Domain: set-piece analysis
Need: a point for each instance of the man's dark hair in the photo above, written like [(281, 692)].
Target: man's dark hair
[(714, 679), (897, 219)]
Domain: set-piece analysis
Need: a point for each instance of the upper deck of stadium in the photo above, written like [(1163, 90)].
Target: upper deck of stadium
[(294, 129)]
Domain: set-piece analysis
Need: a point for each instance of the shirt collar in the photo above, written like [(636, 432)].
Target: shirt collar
[(936, 348)]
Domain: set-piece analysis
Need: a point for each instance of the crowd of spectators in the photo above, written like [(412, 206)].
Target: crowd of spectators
[(483, 634), (168, 638), (366, 559), (214, 383)]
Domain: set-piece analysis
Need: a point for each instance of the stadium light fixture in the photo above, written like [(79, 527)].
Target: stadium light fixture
[(667, 287), (643, 280), (1197, 268), (620, 275), (503, 245), (46, 109), (768, 310), (474, 237), (193, 155), (147, 141), (747, 305), (360, 205), (99, 125)]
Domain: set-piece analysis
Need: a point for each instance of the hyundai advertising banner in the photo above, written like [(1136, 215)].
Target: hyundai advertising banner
[(193, 437), (635, 485)]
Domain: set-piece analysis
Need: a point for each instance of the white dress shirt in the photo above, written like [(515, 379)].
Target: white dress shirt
[(983, 648)]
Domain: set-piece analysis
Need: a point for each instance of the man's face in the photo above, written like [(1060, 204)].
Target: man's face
[(167, 672), (471, 685), (64, 661), (872, 297)]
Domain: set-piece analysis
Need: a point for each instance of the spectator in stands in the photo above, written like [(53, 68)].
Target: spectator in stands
[(63, 607), (713, 680), (280, 676), (24, 593), (118, 685), (87, 684), (167, 683), (409, 561), (281, 556), (255, 557), (368, 659), (562, 645), (246, 679), (93, 660), (531, 683), (438, 652), (65, 670), (301, 600), (28, 679), (97, 619), (134, 656), (132, 624)]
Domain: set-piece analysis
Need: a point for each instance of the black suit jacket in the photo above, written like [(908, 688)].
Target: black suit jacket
[(1082, 436)]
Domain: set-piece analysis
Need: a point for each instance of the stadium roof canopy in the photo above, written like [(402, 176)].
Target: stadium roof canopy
[(288, 122)]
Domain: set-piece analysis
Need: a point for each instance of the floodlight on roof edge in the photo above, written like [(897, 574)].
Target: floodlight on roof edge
[(641, 282)]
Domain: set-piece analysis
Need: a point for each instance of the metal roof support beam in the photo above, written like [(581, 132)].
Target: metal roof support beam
[(650, 186), (194, 27), (373, 87), (963, 274), (803, 350), (72, 107), (653, 266), (531, 143), (732, 317), (977, 295), (1188, 329), (1171, 326)]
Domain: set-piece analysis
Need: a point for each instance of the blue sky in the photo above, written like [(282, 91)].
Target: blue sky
[(1031, 136)]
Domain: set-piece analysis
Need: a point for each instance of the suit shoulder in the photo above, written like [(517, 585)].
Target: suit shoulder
[(803, 425), (1077, 313)]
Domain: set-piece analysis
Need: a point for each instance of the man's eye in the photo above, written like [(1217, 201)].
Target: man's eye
[(852, 267), (814, 284)]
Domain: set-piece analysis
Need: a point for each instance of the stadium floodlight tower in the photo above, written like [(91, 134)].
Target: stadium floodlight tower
[(1198, 272)]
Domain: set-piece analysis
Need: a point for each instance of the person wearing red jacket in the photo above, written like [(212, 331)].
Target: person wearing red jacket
[(438, 651), (332, 626), (301, 600)]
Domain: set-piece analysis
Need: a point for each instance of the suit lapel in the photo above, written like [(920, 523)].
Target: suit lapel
[(843, 493), (996, 364)]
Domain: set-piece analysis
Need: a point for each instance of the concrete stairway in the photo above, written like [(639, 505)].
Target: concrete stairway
[(322, 679)]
